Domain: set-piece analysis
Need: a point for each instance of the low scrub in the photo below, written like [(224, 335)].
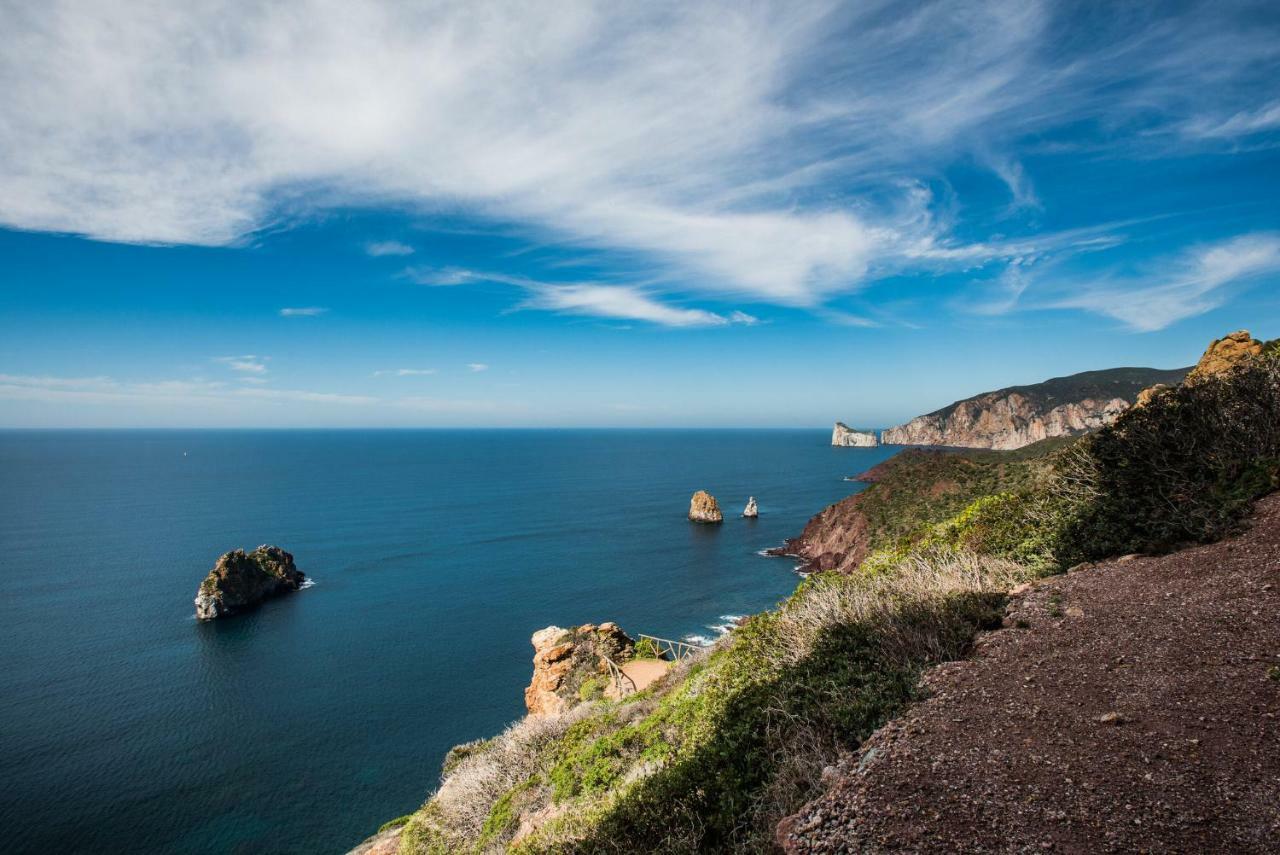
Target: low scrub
[(740, 736), (1184, 468)]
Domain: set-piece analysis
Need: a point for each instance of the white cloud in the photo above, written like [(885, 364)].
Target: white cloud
[(105, 390), (1243, 123), (249, 364), (404, 372), (381, 248), (743, 149), (302, 312), (441, 276), (1188, 285), (848, 319), (477, 366), (619, 301), (737, 317)]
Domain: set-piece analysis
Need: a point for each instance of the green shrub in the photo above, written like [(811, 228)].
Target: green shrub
[(1183, 468), (647, 649), (395, 823)]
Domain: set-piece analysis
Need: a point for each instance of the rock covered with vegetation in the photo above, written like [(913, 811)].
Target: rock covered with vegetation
[(703, 508), (1018, 416), (732, 740), (240, 580), (569, 666)]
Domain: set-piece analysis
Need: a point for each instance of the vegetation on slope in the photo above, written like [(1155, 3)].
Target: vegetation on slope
[(921, 487), (711, 757)]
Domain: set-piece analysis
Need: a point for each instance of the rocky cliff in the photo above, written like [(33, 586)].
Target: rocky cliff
[(1224, 354), (1020, 415), (567, 667), (240, 580), (704, 508), (846, 437)]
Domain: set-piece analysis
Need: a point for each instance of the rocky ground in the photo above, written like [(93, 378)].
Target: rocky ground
[(1129, 706)]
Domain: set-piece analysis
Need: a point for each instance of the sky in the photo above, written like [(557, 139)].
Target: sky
[(575, 213)]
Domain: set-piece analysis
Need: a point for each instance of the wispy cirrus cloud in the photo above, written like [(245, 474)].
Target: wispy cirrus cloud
[(625, 303), (303, 311), (477, 367), (767, 150), (248, 364), (404, 372), (106, 390), (382, 248), (1160, 293), (589, 299)]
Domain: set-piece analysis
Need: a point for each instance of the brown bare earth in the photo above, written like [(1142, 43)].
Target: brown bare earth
[(1129, 706)]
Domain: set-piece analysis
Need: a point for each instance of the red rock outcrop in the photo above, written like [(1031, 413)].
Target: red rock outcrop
[(1225, 354), (564, 659)]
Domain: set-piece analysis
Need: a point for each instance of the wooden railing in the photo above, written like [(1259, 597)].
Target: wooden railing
[(673, 650), (624, 684)]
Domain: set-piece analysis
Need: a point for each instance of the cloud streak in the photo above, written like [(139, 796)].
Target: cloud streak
[(1190, 285), (303, 312), (381, 249), (704, 139), (250, 364)]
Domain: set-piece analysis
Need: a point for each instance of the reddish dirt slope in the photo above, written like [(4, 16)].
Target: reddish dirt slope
[(1130, 706)]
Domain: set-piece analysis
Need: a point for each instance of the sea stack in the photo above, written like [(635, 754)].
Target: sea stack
[(703, 508), (240, 580), (846, 437), (751, 511)]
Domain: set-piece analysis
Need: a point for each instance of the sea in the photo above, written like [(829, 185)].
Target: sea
[(300, 727)]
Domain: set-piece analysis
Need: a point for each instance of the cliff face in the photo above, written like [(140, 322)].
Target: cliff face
[(1020, 415), (1004, 422), (241, 580), (844, 436), (566, 660)]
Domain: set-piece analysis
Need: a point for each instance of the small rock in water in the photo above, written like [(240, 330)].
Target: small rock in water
[(703, 508), (751, 510)]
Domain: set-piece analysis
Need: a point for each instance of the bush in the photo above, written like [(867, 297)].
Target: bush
[(1183, 468)]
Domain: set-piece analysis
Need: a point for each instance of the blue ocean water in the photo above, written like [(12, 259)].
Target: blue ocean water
[(126, 726)]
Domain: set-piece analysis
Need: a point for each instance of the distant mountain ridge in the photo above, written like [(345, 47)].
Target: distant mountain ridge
[(1016, 416)]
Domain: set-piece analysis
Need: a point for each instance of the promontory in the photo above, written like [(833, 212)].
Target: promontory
[(846, 437)]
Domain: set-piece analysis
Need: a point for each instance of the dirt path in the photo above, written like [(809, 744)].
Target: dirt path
[(1131, 706), (644, 671)]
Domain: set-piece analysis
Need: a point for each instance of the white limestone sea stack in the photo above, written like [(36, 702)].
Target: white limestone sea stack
[(751, 511), (846, 437)]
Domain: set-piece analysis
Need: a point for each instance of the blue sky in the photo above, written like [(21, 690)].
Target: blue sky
[(701, 214)]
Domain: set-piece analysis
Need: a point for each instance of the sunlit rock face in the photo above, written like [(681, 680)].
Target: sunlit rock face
[(564, 659), (845, 436), (1004, 422), (703, 508)]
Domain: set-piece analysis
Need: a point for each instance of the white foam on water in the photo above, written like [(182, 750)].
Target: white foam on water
[(699, 640), (309, 583)]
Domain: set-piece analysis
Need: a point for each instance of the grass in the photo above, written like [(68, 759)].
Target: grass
[(742, 734)]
